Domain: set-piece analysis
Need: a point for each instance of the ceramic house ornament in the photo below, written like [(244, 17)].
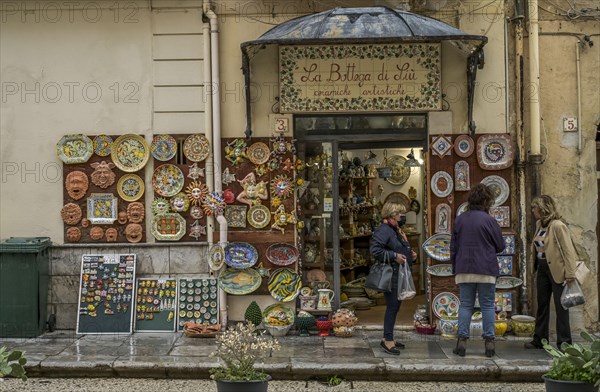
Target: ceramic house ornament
[(197, 230), (103, 176), (195, 172), (77, 184)]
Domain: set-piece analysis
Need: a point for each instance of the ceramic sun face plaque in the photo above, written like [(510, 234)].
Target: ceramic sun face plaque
[(160, 206), (282, 186), (195, 192), (102, 208), (180, 202)]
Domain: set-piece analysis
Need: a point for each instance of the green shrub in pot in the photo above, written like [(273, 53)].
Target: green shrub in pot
[(576, 362)]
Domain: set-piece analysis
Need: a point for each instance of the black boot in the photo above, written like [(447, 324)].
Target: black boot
[(461, 347), (490, 347)]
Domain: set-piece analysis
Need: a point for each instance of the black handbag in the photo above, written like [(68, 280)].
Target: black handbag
[(380, 276)]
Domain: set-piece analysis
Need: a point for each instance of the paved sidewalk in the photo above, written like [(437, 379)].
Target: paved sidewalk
[(172, 355)]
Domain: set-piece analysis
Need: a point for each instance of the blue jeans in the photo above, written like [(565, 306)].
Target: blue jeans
[(486, 293), (392, 306)]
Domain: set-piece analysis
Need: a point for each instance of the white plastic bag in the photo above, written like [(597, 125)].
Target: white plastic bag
[(572, 295), (406, 286)]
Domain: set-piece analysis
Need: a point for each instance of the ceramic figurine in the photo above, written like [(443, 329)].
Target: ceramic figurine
[(253, 191), (227, 177), (135, 212), (103, 176), (76, 184)]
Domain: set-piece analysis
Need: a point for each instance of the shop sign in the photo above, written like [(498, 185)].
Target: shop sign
[(360, 78)]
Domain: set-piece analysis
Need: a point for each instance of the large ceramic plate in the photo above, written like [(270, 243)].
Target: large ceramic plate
[(130, 153), (240, 255), (103, 145), (494, 152), (239, 282), (284, 284), (102, 208), (440, 270), (508, 282), (168, 227), (500, 188), (441, 184), (196, 148), (163, 147), (462, 208), (464, 146), (445, 305), (74, 148), (130, 187), (400, 173), (235, 215), (438, 247), (282, 253), (278, 314), (167, 180), (399, 198), (216, 257), (258, 153), (259, 216)]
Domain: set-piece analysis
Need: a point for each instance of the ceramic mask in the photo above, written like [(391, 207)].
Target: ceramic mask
[(180, 202), (133, 232), (160, 206), (122, 217), (252, 190), (85, 223), (195, 192), (135, 212), (96, 233), (76, 184), (73, 234), (196, 212), (103, 176), (111, 234), (213, 204), (71, 214)]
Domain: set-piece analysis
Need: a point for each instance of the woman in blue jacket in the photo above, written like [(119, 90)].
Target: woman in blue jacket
[(389, 243), (476, 238)]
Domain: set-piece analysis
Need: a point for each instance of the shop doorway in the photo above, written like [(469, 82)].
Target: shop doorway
[(340, 200)]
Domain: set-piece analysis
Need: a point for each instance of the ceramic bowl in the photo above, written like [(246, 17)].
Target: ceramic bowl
[(448, 327), (523, 326)]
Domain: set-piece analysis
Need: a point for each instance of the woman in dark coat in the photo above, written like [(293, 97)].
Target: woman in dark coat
[(389, 243)]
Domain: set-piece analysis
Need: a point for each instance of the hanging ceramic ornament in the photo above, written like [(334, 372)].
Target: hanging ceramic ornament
[(134, 232), (180, 202), (261, 170), (71, 213), (160, 206), (253, 192), (195, 192), (73, 234), (287, 165), (135, 212), (282, 186), (195, 172), (196, 212), (197, 230), (301, 187), (228, 196), (213, 204), (282, 146), (235, 151), (282, 219), (227, 177), (76, 184)]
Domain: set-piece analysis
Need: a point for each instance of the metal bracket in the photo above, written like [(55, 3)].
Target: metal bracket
[(475, 61)]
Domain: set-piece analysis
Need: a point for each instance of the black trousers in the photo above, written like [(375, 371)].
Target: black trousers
[(546, 288)]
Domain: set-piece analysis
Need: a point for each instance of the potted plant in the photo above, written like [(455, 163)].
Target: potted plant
[(576, 367), (238, 348)]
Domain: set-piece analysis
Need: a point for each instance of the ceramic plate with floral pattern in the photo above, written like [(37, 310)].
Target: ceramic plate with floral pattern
[(167, 180), (103, 145), (258, 153), (445, 305), (196, 148), (259, 216), (102, 208), (163, 147), (130, 187), (74, 149), (130, 153)]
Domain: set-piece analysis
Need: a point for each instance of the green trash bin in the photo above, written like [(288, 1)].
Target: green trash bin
[(23, 286)]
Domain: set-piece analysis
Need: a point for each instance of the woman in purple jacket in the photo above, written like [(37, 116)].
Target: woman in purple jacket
[(476, 238)]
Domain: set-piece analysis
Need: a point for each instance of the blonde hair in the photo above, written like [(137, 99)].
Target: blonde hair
[(547, 207), (390, 209)]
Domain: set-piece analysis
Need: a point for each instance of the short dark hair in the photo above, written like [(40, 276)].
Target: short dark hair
[(481, 197)]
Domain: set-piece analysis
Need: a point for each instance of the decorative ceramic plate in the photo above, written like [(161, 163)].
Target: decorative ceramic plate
[(505, 265), (168, 227), (399, 198), (259, 216), (464, 146), (216, 257), (280, 314), (74, 148), (508, 282), (284, 284), (400, 173), (462, 208), (235, 215), (130, 152), (240, 255), (441, 145), (441, 184), (130, 187), (509, 245), (258, 153), (494, 152), (440, 270), (438, 247), (282, 253), (239, 282), (196, 148), (102, 208), (445, 305), (282, 186), (103, 145), (167, 180), (163, 147), (499, 187)]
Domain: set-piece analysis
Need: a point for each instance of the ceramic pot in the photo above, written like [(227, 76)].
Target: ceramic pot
[(243, 385), (568, 386)]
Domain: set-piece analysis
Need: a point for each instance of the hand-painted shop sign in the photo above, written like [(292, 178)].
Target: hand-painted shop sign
[(357, 78)]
